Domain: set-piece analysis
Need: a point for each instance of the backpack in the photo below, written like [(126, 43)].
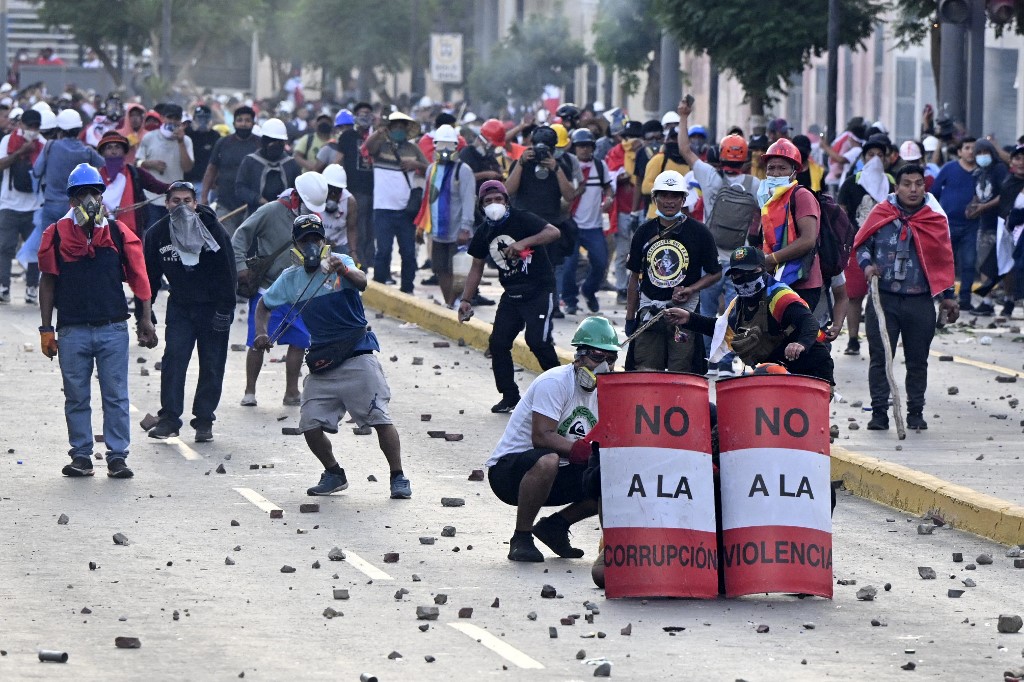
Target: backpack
[(835, 238), (734, 211)]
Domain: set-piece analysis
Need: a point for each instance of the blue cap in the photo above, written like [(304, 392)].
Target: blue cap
[(344, 118)]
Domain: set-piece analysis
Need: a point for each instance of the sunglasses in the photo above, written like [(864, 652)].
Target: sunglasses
[(599, 355)]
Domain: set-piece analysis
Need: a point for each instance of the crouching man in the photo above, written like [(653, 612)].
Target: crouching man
[(541, 457)]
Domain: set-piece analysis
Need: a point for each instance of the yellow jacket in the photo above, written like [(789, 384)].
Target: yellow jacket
[(655, 167)]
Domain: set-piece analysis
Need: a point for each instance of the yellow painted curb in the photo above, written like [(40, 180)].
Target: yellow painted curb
[(890, 484), (918, 493), (998, 369), (437, 318)]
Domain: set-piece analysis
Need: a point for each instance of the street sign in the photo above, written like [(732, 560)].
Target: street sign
[(446, 57)]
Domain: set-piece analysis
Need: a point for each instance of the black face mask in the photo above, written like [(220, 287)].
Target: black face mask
[(273, 149), (243, 133), (324, 128), (671, 150)]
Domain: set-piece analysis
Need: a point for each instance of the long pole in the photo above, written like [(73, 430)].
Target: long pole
[(976, 70), (671, 88), (894, 388), (832, 93), (165, 42), (712, 99)]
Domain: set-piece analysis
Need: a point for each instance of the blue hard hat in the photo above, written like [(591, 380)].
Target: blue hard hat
[(84, 176), (696, 130), (344, 118)]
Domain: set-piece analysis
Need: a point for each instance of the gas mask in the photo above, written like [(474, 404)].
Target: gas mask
[(89, 209), (444, 154), (331, 206), (586, 378), (309, 254)]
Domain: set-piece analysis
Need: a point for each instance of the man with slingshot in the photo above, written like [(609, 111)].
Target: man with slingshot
[(322, 288)]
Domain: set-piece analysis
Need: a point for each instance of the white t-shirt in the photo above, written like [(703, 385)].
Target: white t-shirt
[(10, 198), (156, 147), (852, 156), (554, 394), (588, 211)]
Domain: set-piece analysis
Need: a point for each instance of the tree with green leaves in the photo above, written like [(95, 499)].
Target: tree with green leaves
[(763, 46), (535, 53), (628, 39)]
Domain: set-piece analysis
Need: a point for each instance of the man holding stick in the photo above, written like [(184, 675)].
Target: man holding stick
[(905, 243)]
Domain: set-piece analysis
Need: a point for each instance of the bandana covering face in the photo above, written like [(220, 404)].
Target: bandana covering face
[(189, 236)]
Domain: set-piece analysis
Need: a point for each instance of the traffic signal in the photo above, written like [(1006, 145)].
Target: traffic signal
[(955, 11), (1001, 11)]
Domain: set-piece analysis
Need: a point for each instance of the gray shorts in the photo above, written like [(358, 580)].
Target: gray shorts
[(441, 254), (357, 387)]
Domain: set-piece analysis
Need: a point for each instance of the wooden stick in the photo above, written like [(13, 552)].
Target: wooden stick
[(897, 407), (644, 327)]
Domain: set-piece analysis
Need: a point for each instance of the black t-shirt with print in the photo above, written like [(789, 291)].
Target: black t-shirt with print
[(674, 259), (227, 156), (519, 278)]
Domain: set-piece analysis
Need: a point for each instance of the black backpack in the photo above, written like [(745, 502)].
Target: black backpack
[(835, 238)]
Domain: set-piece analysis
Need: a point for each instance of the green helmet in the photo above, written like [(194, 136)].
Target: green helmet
[(596, 332)]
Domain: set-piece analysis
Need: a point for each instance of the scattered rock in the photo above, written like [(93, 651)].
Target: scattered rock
[(857, 404), (969, 582), (371, 479), (93, 566), (452, 502), (309, 508), (448, 532), (394, 655), (148, 422), (581, 654), (833, 431), (340, 593), (603, 670), (926, 572), (316, 564), (548, 592), (290, 431), (1018, 563), (62, 520), (331, 613), (1013, 552), (867, 593), (762, 629), (626, 631), (952, 390), (441, 599), (234, 523), (945, 358), (532, 615), (568, 620), (854, 426), (391, 558), (417, 361), (427, 612), (287, 569), (429, 659), (466, 612), (553, 632), (1009, 624), (425, 540), (496, 604), (277, 513), (336, 554), (925, 529), (958, 557), (984, 559), (436, 434), (441, 344), (86, 610), (228, 561), (1006, 379), (476, 475), (220, 469), (875, 623), (424, 627), (127, 643), (452, 437), (909, 665), (122, 539), (887, 587), (809, 626), (954, 594), (970, 567)]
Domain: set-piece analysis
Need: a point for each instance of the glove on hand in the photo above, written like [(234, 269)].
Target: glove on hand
[(48, 343)]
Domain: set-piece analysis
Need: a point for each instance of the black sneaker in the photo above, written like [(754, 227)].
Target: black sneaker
[(430, 281), (879, 422), (426, 265), (523, 549), (915, 421), (620, 297), (1007, 310), (984, 309), (117, 468), (557, 314), (204, 433), (967, 308), (592, 303), (480, 300), (80, 466), (553, 531), (163, 431), (506, 405), (852, 346), (570, 310)]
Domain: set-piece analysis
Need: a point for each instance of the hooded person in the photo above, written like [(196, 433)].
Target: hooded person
[(268, 233), (192, 251), (767, 322), (125, 195)]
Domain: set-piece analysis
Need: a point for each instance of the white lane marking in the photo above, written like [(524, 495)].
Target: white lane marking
[(263, 503), (186, 452), (361, 564), (24, 331), (506, 651)]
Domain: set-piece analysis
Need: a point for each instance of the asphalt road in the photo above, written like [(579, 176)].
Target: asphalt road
[(250, 617)]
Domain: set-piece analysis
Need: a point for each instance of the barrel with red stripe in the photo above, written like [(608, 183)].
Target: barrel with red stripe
[(776, 498), (658, 504)]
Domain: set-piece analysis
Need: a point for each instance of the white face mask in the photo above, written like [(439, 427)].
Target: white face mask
[(167, 130), (30, 135), (495, 212)]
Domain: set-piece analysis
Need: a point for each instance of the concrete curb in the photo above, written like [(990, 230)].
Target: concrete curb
[(890, 484)]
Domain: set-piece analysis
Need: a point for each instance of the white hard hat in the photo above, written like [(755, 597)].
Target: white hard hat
[(49, 120), (399, 116), (336, 176), (42, 106), (274, 129), (469, 117), (286, 107), (6, 87), (425, 102), (670, 118), (312, 189), (669, 181), (930, 143), (445, 133), (69, 119), (881, 127), (16, 113), (909, 151)]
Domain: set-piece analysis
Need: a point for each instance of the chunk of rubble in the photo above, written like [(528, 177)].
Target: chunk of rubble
[(331, 613), (627, 631), (220, 469), (120, 539), (391, 558), (228, 561), (340, 593), (984, 559), (62, 520), (427, 612), (954, 594), (952, 390), (925, 529), (127, 643), (548, 592), (476, 475), (603, 670), (452, 502), (926, 572), (762, 629), (450, 437), (448, 532), (426, 540), (466, 612), (309, 508), (336, 554), (1009, 624), (867, 593), (441, 599), (287, 569)]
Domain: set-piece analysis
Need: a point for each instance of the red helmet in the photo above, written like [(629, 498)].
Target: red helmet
[(733, 149), (783, 149), (494, 132)]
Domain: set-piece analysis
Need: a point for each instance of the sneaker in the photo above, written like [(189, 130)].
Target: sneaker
[(620, 297), (80, 466), (329, 483), (879, 422), (967, 308), (1007, 310), (725, 369), (426, 265), (430, 281), (117, 468), (32, 295), (248, 400), (163, 431), (523, 549), (506, 405), (592, 303), (570, 310), (204, 434), (606, 286), (557, 314), (401, 489), (712, 369), (984, 309), (553, 531), (480, 300), (5, 294), (852, 346), (915, 421)]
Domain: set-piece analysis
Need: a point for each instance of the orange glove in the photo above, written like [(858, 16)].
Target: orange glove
[(48, 342)]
